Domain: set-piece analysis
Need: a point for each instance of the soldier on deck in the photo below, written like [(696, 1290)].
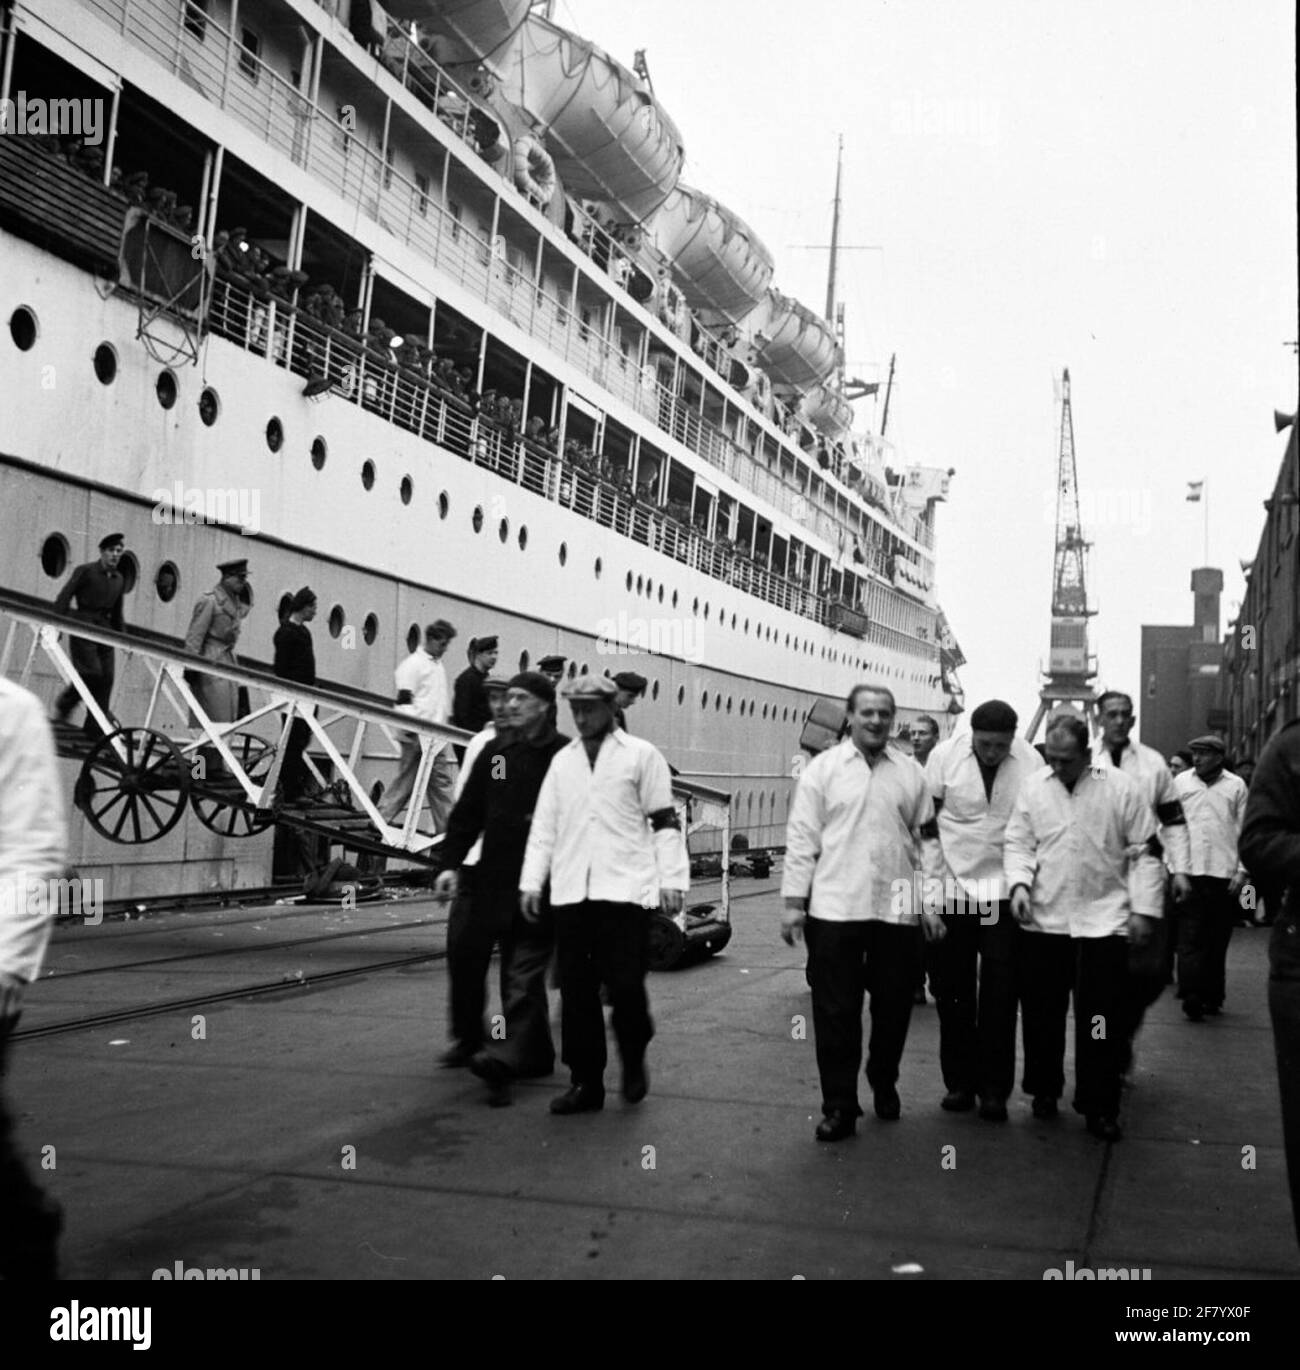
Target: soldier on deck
[(97, 587)]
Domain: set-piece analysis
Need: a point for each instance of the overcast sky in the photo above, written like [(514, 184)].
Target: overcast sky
[(1109, 187)]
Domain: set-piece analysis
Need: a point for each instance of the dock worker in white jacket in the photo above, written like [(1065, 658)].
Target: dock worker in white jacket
[(33, 850), (1084, 883), (975, 780), (606, 834), (861, 821)]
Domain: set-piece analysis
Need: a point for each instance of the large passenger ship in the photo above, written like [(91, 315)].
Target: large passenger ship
[(414, 307)]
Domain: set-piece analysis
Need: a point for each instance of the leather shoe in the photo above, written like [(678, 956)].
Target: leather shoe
[(455, 1057), (496, 1075), (1194, 1009), (1107, 1129), (836, 1125), (635, 1082), (887, 1104), (958, 1101), (579, 1099), (1044, 1106), (993, 1110)]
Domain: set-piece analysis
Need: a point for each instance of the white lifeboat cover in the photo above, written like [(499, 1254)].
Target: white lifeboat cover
[(611, 140), (793, 345), (827, 410), (719, 262), (477, 30)]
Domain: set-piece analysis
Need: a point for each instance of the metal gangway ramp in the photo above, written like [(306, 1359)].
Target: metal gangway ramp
[(136, 780)]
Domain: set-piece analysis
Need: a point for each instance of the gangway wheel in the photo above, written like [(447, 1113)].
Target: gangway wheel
[(672, 949), (230, 814), (137, 796)]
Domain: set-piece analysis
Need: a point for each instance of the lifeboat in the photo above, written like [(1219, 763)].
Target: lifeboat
[(611, 140), (466, 30), (793, 345), (717, 260), (827, 410)]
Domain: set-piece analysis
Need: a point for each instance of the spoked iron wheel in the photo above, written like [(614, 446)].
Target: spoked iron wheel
[(135, 794), (234, 816)]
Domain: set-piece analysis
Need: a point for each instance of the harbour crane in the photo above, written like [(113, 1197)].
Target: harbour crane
[(1070, 668)]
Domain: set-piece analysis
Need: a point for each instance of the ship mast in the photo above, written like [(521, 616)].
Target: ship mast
[(835, 242)]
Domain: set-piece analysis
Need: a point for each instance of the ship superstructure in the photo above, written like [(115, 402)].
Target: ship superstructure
[(416, 308)]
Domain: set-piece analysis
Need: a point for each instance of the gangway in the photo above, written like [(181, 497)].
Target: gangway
[(136, 780)]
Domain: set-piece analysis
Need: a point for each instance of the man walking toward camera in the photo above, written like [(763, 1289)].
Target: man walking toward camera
[(860, 814)]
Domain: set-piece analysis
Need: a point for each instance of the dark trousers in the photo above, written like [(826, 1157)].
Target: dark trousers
[(602, 943), (1284, 1009), (96, 665), (1204, 931), (293, 770), (29, 1221), (973, 976), (473, 929), (1050, 968), (846, 961)]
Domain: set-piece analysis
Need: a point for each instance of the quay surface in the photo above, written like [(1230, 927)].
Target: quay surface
[(306, 1131)]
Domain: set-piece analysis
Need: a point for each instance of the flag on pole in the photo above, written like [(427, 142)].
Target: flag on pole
[(1194, 488)]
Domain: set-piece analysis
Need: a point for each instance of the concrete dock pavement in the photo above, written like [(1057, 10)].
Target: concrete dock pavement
[(308, 1132)]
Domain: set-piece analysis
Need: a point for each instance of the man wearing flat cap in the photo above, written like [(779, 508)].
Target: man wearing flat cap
[(98, 588), (214, 629), (605, 833), (496, 808), (974, 782), (295, 659), (1214, 804), (469, 707), (631, 687), (552, 667)]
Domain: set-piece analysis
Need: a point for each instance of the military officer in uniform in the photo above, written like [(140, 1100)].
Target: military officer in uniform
[(97, 587), (213, 632)]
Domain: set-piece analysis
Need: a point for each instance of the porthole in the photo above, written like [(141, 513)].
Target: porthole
[(167, 581), (674, 599), (584, 669), (640, 584), (22, 328), (681, 694), (54, 555), (106, 363), (573, 669), (406, 489), (370, 629), (661, 594), (337, 619), (695, 608), (477, 518), (564, 553), (598, 568), (654, 690), (649, 588), (717, 704), (412, 637), (706, 611), (274, 434), (764, 710), (503, 530), (523, 536), (742, 707), (318, 453), (523, 661), (733, 620), (368, 474), (209, 406), (165, 389), (629, 580), (444, 505), (129, 569)]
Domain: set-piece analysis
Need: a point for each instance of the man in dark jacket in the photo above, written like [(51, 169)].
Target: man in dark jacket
[(295, 659), (469, 702), (98, 587), (497, 802), (1270, 851)]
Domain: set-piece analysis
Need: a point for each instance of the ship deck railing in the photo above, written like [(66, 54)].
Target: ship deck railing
[(414, 401), (194, 46)]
